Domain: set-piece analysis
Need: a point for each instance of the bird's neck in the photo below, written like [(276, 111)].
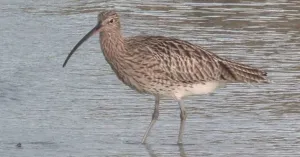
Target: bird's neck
[(112, 44)]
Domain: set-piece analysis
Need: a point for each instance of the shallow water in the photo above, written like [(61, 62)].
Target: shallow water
[(83, 110)]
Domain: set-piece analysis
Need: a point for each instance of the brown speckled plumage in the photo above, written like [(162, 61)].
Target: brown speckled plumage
[(166, 67)]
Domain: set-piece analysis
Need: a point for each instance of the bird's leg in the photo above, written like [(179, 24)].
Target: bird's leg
[(154, 118), (183, 116)]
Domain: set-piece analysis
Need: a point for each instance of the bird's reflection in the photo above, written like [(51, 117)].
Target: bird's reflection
[(153, 154), (181, 150), (150, 150)]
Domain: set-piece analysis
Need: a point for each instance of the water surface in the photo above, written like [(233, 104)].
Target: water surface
[(84, 110)]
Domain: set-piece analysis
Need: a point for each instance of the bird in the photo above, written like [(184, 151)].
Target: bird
[(165, 67)]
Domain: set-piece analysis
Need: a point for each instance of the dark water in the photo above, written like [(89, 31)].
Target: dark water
[(83, 110)]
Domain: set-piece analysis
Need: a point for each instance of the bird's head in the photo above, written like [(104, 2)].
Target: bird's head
[(108, 21)]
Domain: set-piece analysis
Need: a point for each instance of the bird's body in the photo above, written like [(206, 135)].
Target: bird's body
[(171, 67), (166, 67)]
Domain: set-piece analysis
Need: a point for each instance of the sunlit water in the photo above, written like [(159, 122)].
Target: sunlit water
[(84, 110)]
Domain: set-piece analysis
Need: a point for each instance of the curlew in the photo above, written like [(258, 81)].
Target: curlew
[(164, 66)]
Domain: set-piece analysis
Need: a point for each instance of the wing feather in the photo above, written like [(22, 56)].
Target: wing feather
[(179, 60), (182, 62)]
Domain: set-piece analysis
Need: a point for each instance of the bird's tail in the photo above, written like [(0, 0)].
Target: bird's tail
[(236, 72)]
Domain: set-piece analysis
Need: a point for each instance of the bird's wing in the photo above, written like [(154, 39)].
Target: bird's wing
[(177, 60)]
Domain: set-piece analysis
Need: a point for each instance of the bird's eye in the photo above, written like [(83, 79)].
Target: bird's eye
[(111, 21)]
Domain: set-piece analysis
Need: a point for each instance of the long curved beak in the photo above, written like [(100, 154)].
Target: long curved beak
[(88, 35)]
